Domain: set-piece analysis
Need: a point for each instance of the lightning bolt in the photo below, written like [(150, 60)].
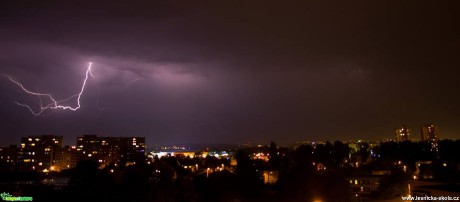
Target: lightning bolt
[(54, 103)]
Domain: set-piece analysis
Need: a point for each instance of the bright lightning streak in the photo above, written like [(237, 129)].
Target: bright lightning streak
[(54, 103)]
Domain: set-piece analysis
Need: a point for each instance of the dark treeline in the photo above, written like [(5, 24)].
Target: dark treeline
[(305, 173)]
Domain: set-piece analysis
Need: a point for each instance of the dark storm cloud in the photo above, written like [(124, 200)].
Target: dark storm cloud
[(230, 71)]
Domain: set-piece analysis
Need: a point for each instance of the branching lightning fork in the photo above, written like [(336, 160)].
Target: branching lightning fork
[(54, 104)]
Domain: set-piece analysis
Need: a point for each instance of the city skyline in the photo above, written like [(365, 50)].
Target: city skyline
[(428, 132), (229, 72)]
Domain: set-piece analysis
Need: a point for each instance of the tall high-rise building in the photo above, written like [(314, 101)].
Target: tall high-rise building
[(64, 158), (430, 134), (39, 152), (9, 154), (402, 133), (106, 150)]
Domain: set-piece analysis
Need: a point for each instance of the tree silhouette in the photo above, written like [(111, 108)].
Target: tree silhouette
[(248, 176), (275, 159), (340, 152)]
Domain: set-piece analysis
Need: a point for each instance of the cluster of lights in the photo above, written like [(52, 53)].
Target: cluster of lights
[(261, 156), (217, 169)]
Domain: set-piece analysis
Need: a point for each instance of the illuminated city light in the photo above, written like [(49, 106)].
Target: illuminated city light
[(54, 103)]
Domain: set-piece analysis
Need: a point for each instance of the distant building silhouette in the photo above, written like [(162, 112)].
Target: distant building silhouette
[(431, 135), (430, 132), (39, 152), (106, 150), (402, 133), (65, 157), (9, 154)]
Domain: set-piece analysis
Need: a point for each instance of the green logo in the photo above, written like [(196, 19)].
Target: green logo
[(9, 197)]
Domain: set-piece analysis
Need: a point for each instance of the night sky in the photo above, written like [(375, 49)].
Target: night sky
[(227, 71)]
